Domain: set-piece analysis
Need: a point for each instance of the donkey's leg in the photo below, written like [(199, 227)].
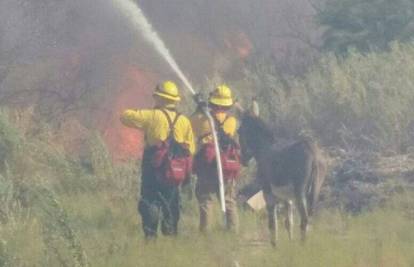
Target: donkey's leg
[(272, 217), (289, 218), (303, 210)]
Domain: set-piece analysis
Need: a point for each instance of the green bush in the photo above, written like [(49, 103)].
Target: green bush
[(366, 25), (10, 140), (37, 180), (363, 101)]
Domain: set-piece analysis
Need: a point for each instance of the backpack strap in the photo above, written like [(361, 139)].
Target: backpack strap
[(224, 138), (171, 123), (219, 126)]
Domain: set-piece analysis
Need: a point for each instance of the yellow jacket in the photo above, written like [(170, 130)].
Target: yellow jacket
[(156, 128), (202, 130)]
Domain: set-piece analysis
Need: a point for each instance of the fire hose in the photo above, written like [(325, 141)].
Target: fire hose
[(218, 161), (206, 111)]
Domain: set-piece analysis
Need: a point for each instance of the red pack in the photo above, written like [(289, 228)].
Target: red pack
[(205, 161), (230, 161), (172, 161), (176, 170)]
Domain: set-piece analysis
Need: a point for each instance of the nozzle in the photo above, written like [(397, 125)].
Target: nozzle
[(198, 98), (200, 101)]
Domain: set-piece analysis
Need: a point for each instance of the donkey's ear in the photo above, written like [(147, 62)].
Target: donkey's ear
[(255, 110), (238, 107)]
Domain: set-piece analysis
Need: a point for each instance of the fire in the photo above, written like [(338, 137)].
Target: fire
[(241, 44), (135, 92)]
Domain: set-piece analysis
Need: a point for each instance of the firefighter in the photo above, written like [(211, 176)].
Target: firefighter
[(160, 198), (207, 187)]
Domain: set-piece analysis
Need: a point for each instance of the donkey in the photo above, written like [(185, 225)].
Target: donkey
[(297, 170)]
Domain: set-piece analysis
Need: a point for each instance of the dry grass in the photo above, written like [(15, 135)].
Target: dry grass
[(108, 232)]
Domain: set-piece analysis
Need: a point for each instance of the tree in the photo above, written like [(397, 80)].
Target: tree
[(366, 25)]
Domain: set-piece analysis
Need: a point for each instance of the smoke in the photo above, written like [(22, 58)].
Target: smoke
[(132, 11), (60, 53), (74, 56), (73, 46)]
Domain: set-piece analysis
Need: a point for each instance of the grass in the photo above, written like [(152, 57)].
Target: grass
[(57, 211), (109, 232), (380, 238)]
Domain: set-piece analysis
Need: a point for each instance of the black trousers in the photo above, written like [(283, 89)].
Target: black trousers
[(159, 202)]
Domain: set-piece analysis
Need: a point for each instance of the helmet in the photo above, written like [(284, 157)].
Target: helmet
[(221, 96), (168, 90)]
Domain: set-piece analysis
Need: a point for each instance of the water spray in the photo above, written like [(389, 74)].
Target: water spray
[(136, 16)]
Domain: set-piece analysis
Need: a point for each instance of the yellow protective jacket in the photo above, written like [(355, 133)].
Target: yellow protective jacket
[(156, 128), (202, 130)]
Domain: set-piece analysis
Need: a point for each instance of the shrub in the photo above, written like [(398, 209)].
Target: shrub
[(363, 101), (9, 140), (366, 25)]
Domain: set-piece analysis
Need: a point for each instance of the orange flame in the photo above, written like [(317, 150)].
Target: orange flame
[(241, 44), (136, 88)]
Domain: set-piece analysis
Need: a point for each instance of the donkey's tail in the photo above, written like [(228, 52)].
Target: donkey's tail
[(316, 181)]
